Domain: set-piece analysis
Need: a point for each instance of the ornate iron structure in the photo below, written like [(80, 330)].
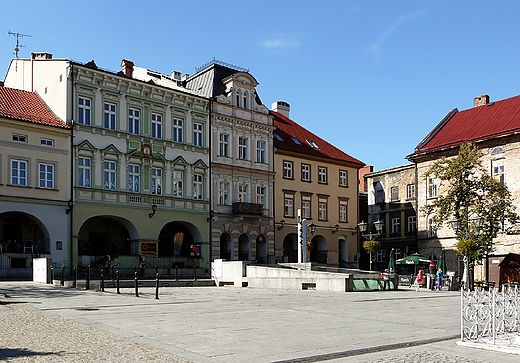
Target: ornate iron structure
[(215, 61), (491, 317)]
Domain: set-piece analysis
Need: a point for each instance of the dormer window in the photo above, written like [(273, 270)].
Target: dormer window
[(279, 138), (313, 144), (296, 141), (497, 150)]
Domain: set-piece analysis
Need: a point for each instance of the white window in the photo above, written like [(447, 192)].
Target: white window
[(306, 206), (133, 178), (288, 205), (46, 176), (156, 181), (20, 138), (343, 178), (394, 192), (260, 196), (197, 134), (110, 116), (133, 121), (412, 223), (197, 186), (322, 175), (243, 190), (322, 209), (84, 172), (499, 173), (432, 228), (19, 172), (156, 126), (313, 144), (84, 111), (224, 189), (381, 255), (177, 130), (178, 183), (396, 225), (343, 216), (243, 143), (224, 145), (410, 191), (47, 142), (288, 169), (260, 152), (110, 175), (306, 172), (432, 187)]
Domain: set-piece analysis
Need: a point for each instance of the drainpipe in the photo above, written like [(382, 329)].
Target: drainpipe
[(71, 196), (210, 189)]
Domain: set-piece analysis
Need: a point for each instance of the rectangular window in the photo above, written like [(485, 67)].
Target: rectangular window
[(19, 172), (288, 169), (47, 142), (260, 152), (396, 225), (197, 134), (178, 184), (412, 223), (110, 175), (343, 178), (306, 206), (197, 186), (432, 187), (133, 178), (306, 172), (156, 181), (46, 176), (110, 116), (224, 189), (288, 205), (20, 138), (177, 130), (432, 228), (343, 216), (84, 111), (133, 121), (322, 175), (499, 173), (410, 191), (394, 191), (322, 209), (84, 172), (224, 145), (397, 253), (381, 255), (243, 192), (156, 126), (260, 196), (243, 148)]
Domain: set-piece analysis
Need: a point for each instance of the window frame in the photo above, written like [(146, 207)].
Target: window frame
[(396, 225), (343, 178), (224, 193), (243, 193), (411, 224), (133, 120), (110, 116), (499, 176), (288, 169), (322, 175), (343, 209), (323, 209), (432, 185), (261, 151), (178, 130), (25, 178), (109, 175), (306, 203), (394, 193), (288, 205), (410, 191), (243, 148), (83, 170), (198, 139), (198, 186), (381, 255), (46, 178), (156, 122), (306, 172), (156, 177), (178, 184), (224, 144), (46, 142), (134, 176), (84, 111), (261, 195)]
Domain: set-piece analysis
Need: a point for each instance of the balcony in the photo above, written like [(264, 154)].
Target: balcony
[(248, 208)]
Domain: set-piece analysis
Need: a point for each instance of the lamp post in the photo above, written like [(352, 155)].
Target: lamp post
[(370, 236)]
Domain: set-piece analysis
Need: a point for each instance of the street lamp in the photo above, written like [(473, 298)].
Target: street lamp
[(154, 209), (312, 228), (370, 236), (336, 229)]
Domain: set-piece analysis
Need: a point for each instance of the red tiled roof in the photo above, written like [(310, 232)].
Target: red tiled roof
[(285, 128), (478, 123), (26, 106)]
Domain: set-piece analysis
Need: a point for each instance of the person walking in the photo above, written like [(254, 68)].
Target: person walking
[(439, 279), (418, 279), (433, 273), (386, 279)]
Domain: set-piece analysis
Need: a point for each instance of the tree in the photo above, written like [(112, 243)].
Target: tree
[(470, 194)]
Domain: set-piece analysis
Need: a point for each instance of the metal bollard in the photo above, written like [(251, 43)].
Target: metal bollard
[(87, 285), (157, 286), (136, 283), (52, 275), (117, 273), (176, 273), (156, 270), (102, 280), (62, 279), (113, 273), (194, 273), (74, 277)]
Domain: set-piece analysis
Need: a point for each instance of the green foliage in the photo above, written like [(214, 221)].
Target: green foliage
[(467, 191), (371, 246)]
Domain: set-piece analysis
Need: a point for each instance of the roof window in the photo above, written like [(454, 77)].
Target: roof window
[(296, 141), (313, 144), (279, 138)]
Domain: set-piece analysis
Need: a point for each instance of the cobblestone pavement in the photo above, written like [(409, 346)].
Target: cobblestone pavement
[(425, 357), (28, 334)]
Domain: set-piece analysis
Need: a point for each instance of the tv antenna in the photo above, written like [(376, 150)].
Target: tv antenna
[(18, 45)]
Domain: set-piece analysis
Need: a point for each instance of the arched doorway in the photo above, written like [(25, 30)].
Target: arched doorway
[(290, 248), (343, 252), (319, 249), (243, 247), (177, 240), (226, 246), (261, 249), (100, 237)]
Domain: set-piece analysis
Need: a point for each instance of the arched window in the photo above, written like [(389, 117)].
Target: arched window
[(238, 98), (433, 257), (245, 100)]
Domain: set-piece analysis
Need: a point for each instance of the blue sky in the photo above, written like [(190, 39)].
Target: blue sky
[(372, 77)]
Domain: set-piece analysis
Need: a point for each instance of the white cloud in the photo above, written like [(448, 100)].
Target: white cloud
[(281, 43)]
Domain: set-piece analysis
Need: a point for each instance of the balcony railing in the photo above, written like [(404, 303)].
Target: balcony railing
[(248, 208)]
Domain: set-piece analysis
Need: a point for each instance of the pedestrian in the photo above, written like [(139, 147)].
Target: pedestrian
[(419, 279), (386, 279), (439, 279), (433, 272)]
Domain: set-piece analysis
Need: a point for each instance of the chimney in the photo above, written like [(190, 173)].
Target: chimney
[(41, 55), (128, 68), (281, 106), (480, 101)]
